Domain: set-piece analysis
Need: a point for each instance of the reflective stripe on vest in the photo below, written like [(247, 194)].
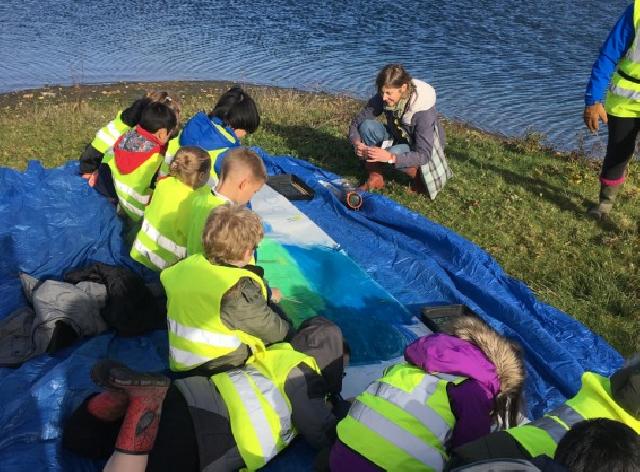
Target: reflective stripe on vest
[(144, 199), (623, 97), (593, 400), (179, 251), (155, 259), (400, 438), (107, 138), (259, 410), (109, 134), (259, 421), (414, 403), (403, 420)]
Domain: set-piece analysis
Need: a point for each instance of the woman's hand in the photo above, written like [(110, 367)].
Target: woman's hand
[(361, 149), (376, 154)]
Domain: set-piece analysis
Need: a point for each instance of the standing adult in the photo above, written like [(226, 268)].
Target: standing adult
[(412, 140), (618, 66)]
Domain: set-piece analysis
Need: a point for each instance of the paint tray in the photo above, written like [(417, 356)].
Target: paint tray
[(291, 187)]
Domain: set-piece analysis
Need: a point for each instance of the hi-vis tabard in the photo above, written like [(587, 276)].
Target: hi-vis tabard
[(259, 409), (107, 136), (160, 242), (194, 290), (200, 209), (402, 421), (592, 401), (623, 98)]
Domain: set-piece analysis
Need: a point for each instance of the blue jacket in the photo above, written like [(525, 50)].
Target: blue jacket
[(614, 48), (200, 131)]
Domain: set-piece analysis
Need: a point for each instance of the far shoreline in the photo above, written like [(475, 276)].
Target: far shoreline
[(131, 89)]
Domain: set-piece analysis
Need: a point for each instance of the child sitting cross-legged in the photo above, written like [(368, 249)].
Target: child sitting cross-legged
[(161, 242), (218, 312)]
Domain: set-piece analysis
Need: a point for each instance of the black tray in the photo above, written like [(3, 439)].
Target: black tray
[(437, 317), (291, 187)]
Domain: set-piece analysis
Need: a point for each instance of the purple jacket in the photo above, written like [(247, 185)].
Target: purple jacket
[(472, 401)]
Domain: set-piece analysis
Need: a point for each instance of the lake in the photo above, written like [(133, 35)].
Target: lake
[(504, 66)]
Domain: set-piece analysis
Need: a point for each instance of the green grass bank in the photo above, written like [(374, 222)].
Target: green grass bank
[(523, 203)]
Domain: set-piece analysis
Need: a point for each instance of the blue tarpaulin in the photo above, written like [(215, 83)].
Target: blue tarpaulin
[(51, 221)]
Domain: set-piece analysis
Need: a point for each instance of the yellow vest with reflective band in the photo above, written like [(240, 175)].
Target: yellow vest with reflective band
[(623, 97), (107, 136), (195, 288), (592, 401), (402, 421), (134, 189), (259, 409), (200, 209), (160, 243)]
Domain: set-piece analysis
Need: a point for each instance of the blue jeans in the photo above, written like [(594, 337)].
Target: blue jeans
[(373, 133)]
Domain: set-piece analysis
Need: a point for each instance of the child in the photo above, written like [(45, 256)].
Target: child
[(137, 156), (217, 306), (107, 136), (241, 176), (449, 392), (160, 242), (234, 116), (616, 398), (215, 423)]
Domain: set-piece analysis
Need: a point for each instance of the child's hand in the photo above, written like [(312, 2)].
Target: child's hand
[(276, 295), (91, 178)]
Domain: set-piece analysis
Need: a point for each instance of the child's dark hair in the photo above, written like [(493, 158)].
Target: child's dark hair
[(238, 110), (599, 445), (131, 116), (156, 116)]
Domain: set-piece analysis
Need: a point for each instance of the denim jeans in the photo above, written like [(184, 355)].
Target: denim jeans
[(373, 133)]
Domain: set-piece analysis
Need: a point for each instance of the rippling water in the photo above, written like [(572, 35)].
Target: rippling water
[(505, 66)]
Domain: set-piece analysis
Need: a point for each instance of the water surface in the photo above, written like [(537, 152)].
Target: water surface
[(505, 66)]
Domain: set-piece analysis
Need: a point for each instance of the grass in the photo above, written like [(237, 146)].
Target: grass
[(521, 202)]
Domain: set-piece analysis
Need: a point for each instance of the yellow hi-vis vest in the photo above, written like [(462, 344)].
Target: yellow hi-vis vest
[(160, 243), (194, 290), (259, 409), (403, 420), (134, 189), (107, 136), (199, 210), (592, 401), (623, 97)]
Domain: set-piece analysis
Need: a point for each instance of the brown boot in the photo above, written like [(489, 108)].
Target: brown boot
[(607, 198), (145, 393), (417, 185), (375, 181)]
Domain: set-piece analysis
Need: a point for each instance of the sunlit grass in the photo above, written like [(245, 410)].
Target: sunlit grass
[(522, 203)]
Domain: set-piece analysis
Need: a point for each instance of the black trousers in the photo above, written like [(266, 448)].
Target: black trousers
[(622, 143)]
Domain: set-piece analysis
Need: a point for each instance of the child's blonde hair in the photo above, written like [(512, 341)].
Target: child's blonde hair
[(240, 157), (191, 165), (231, 231)]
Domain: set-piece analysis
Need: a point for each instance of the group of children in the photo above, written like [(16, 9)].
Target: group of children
[(244, 381)]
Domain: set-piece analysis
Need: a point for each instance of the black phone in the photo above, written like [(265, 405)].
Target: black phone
[(437, 317)]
